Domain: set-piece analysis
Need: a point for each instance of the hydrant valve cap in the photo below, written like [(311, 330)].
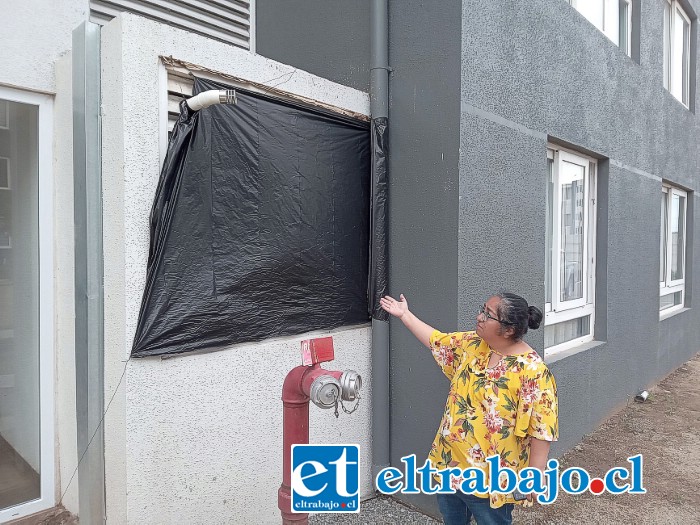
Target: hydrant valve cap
[(324, 391), (350, 385)]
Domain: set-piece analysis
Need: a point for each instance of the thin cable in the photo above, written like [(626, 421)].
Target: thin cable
[(99, 425)]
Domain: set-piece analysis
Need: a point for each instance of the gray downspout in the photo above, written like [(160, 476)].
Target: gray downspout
[(379, 109), (89, 282)]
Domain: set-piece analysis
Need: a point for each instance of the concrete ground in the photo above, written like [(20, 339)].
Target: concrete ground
[(665, 429)]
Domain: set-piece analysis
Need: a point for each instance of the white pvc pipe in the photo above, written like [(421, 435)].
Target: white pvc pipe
[(211, 97)]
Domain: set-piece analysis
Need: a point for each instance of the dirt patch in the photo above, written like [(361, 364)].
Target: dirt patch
[(666, 430)]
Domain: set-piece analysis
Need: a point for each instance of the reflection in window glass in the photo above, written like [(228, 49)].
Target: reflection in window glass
[(20, 425), (677, 223), (572, 233), (686, 62), (664, 240), (567, 331), (678, 67), (624, 26), (670, 300)]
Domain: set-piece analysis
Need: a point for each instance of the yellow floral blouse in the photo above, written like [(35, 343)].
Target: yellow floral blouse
[(491, 410)]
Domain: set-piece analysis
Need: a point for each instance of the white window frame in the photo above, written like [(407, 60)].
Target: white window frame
[(611, 20), (558, 311), (667, 286), (669, 32), (46, 305)]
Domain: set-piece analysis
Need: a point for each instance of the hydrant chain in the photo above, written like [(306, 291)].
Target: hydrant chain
[(339, 400), (357, 404)]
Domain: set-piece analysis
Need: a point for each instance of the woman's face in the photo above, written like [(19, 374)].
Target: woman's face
[(487, 326)]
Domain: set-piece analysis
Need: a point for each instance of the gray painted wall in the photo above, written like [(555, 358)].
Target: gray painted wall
[(557, 75), (424, 53), (477, 90), (329, 38), (530, 70)]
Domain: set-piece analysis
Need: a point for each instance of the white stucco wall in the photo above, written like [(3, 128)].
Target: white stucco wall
[(64, 289), (194, 438), (34, 34)]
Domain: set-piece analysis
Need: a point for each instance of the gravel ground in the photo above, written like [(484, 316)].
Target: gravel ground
[(380, 511), (665, 429)]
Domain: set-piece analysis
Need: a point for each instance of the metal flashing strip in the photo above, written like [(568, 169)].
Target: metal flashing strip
[(632, 169), (496, 119), (89, 276), (182, 68)]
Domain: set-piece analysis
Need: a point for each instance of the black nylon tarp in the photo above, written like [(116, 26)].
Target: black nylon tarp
[(259, 228), (379, 246)]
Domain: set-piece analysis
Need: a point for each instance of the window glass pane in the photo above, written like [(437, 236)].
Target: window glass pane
[(593, 10), (677, 233), (20, 428), (679, 58), (548, 232), (667, 44), (624, 26), (664, 235), (568, 330), (572, 232), (670, 300)]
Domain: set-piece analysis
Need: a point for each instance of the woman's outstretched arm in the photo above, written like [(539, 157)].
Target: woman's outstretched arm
[(399, 309)]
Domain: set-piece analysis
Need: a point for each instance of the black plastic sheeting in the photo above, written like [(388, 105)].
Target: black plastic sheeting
[(261, 226), (378, 270)]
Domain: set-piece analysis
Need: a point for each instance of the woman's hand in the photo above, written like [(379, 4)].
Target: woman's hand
[(394, 307), (400, 309)]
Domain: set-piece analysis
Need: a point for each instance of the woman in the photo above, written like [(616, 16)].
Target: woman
[(502, 400)]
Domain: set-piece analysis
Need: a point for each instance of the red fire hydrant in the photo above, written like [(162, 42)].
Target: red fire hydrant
[(302, 384)]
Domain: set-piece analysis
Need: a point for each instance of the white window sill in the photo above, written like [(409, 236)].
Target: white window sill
[(671, 312), (563, 354)]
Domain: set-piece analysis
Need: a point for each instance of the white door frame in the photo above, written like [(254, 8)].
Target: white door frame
[(46, 305)]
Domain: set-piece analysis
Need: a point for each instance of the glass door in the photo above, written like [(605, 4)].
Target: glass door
[(26, 390)]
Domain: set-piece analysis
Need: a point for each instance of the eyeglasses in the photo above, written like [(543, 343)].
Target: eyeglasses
[(487, 315)]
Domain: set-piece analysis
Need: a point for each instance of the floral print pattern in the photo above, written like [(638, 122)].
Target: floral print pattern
[(493, 410)]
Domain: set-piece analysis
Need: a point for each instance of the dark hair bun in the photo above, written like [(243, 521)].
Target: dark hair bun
[(534, 317)]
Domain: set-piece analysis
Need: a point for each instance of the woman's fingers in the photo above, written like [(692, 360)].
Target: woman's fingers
[(390, 304)]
